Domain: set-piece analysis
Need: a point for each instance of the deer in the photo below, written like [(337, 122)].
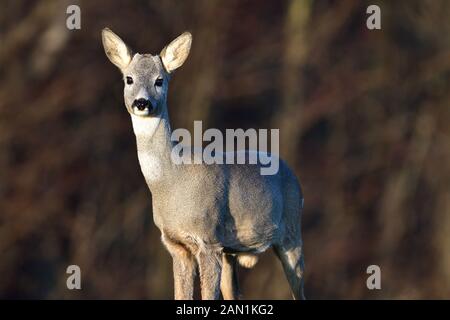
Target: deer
[(212, 217)]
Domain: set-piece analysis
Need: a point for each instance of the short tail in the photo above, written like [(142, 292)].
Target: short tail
[(247, 260)]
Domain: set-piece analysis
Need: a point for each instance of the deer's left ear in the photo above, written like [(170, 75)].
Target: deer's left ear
[(176, 53)]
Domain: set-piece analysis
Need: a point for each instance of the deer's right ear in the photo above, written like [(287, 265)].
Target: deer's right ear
[(116, 50)]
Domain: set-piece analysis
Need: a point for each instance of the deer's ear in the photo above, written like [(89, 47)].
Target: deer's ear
[(176, 53), (116, 50)]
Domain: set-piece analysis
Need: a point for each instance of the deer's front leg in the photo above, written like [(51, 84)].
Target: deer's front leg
[(210, 266), (184, 266), (183, 275)]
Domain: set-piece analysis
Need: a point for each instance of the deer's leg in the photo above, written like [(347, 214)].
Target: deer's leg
[(184, 267), (210, 266), (184, 275), (229, 285), (291, 258)]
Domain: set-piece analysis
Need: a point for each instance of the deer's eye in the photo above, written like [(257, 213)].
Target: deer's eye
[(129, 80), (159, 82)]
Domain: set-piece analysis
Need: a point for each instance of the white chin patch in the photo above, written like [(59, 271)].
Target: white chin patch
[(141, 113), (143, 126)]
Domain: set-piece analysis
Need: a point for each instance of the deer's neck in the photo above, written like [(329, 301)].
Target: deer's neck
[(154, 147)]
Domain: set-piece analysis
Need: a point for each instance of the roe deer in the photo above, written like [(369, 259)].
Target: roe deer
[(211, 217)]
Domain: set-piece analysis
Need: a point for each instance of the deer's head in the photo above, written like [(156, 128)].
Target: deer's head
[(146, 77)]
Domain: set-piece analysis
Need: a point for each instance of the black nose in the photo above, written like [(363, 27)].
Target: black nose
[(142, 103)]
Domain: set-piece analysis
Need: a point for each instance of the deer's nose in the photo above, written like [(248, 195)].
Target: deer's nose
[(142, 103)]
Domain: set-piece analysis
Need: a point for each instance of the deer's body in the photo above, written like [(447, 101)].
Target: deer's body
[(209, 215)]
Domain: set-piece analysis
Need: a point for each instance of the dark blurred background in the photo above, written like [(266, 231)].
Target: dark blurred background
[(363, 118)]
